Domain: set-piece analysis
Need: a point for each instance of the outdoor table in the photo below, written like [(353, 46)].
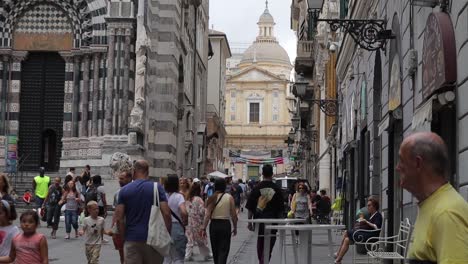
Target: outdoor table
[(270, 222), (305, 239)]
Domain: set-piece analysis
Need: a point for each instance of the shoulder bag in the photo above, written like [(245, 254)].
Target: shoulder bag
[(158, 236)]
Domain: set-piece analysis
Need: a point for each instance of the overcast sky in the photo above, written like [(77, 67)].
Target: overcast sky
[(238, 19)]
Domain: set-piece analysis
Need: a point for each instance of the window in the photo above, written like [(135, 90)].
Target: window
[(254, 114), (233, 94)]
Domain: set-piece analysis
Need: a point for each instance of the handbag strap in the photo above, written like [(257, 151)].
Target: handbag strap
[(216, 204), (178, 219), (156, 195)]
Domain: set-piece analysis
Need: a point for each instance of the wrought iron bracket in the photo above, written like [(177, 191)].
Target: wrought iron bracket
[(369, 34), (328, 106)]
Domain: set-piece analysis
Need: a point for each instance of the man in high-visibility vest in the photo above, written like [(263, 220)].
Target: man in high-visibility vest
[(41, 187)]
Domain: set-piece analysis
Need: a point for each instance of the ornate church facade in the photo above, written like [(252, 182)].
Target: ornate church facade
[(82, 79), (257, 112)]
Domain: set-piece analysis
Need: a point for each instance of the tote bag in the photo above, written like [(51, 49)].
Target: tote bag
[(158, 236)]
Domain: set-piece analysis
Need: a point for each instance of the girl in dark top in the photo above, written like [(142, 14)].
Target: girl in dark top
[(374, 223)]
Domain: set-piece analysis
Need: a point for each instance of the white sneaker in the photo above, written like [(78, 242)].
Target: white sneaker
[(209, 257)]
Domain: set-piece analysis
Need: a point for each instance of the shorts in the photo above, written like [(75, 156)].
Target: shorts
[(118, 242), (92, 253), (140, 252)]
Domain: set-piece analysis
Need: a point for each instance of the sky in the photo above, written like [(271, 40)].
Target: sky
[(238, 19)]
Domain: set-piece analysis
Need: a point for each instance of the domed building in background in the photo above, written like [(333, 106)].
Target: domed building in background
[(257, 109)]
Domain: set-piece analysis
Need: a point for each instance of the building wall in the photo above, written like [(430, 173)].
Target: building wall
[(362, 64)]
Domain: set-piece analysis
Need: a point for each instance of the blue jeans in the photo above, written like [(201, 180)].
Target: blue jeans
[(177, 253), (71, 218)]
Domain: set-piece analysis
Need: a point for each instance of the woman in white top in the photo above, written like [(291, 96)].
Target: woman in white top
[(220, 211), (176, 202)]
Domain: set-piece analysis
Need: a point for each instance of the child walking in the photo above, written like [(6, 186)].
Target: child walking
[(30, 246), (7, 229), (93, 230)]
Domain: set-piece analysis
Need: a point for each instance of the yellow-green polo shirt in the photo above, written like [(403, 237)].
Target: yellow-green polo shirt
[(441, 228)]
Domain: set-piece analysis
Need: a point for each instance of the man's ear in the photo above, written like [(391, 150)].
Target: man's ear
[(418, 162)]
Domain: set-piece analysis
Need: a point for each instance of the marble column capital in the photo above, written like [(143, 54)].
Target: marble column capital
[(19, 56), (67, 56)]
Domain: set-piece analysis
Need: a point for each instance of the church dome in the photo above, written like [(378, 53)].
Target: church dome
[(266, 17), (265, 51), (266, 48)]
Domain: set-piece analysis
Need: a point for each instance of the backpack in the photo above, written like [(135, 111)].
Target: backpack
[(91, 194), (210, 190)]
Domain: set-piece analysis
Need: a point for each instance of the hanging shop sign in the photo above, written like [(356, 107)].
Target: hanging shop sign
[(394, 87), (12, 154), (395, 84), (439, 62)]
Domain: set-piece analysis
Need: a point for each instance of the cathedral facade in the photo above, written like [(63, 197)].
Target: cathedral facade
[(82, 79)]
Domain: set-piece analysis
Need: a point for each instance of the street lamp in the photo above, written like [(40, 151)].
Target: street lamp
[(300, 86), (369, 34), (296, 120)]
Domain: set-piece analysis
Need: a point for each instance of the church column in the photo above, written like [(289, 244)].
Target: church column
[(110, 83), (68, 94), (118, 80), (4, 63), (126, 82), (76, 95), (96, 81), (85, 98), (14, 96)]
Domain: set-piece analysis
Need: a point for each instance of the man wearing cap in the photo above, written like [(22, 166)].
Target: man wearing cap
[(41, 187)]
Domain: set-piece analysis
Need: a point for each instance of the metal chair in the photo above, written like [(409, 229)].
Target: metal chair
[(400, 244), (362, 246)]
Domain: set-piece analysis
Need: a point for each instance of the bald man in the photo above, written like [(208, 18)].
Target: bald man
[(133, 212), (441, 228)]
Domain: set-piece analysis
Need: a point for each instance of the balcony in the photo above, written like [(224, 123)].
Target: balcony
[(305, 57)]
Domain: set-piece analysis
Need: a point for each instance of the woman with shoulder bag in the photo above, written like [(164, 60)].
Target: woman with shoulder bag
[(176, 202), (220, 211)]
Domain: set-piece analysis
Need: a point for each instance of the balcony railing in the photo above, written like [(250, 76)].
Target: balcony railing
[(305, 48)]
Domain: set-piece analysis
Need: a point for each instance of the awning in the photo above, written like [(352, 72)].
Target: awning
[(422, 117)]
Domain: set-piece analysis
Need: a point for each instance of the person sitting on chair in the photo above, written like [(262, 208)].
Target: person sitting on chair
[(374, 223)]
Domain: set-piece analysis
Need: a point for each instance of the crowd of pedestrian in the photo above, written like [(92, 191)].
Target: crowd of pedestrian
[(204, 212)]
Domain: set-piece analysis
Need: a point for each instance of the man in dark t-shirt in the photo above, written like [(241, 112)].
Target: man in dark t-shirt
[(265, 201)]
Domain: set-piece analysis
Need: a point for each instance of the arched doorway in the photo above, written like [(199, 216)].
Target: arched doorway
[(41, 116)]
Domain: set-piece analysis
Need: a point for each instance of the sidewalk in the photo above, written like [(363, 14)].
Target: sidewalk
[(244, 248)]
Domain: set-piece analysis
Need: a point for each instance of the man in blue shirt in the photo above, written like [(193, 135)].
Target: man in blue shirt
[(133, 212)]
